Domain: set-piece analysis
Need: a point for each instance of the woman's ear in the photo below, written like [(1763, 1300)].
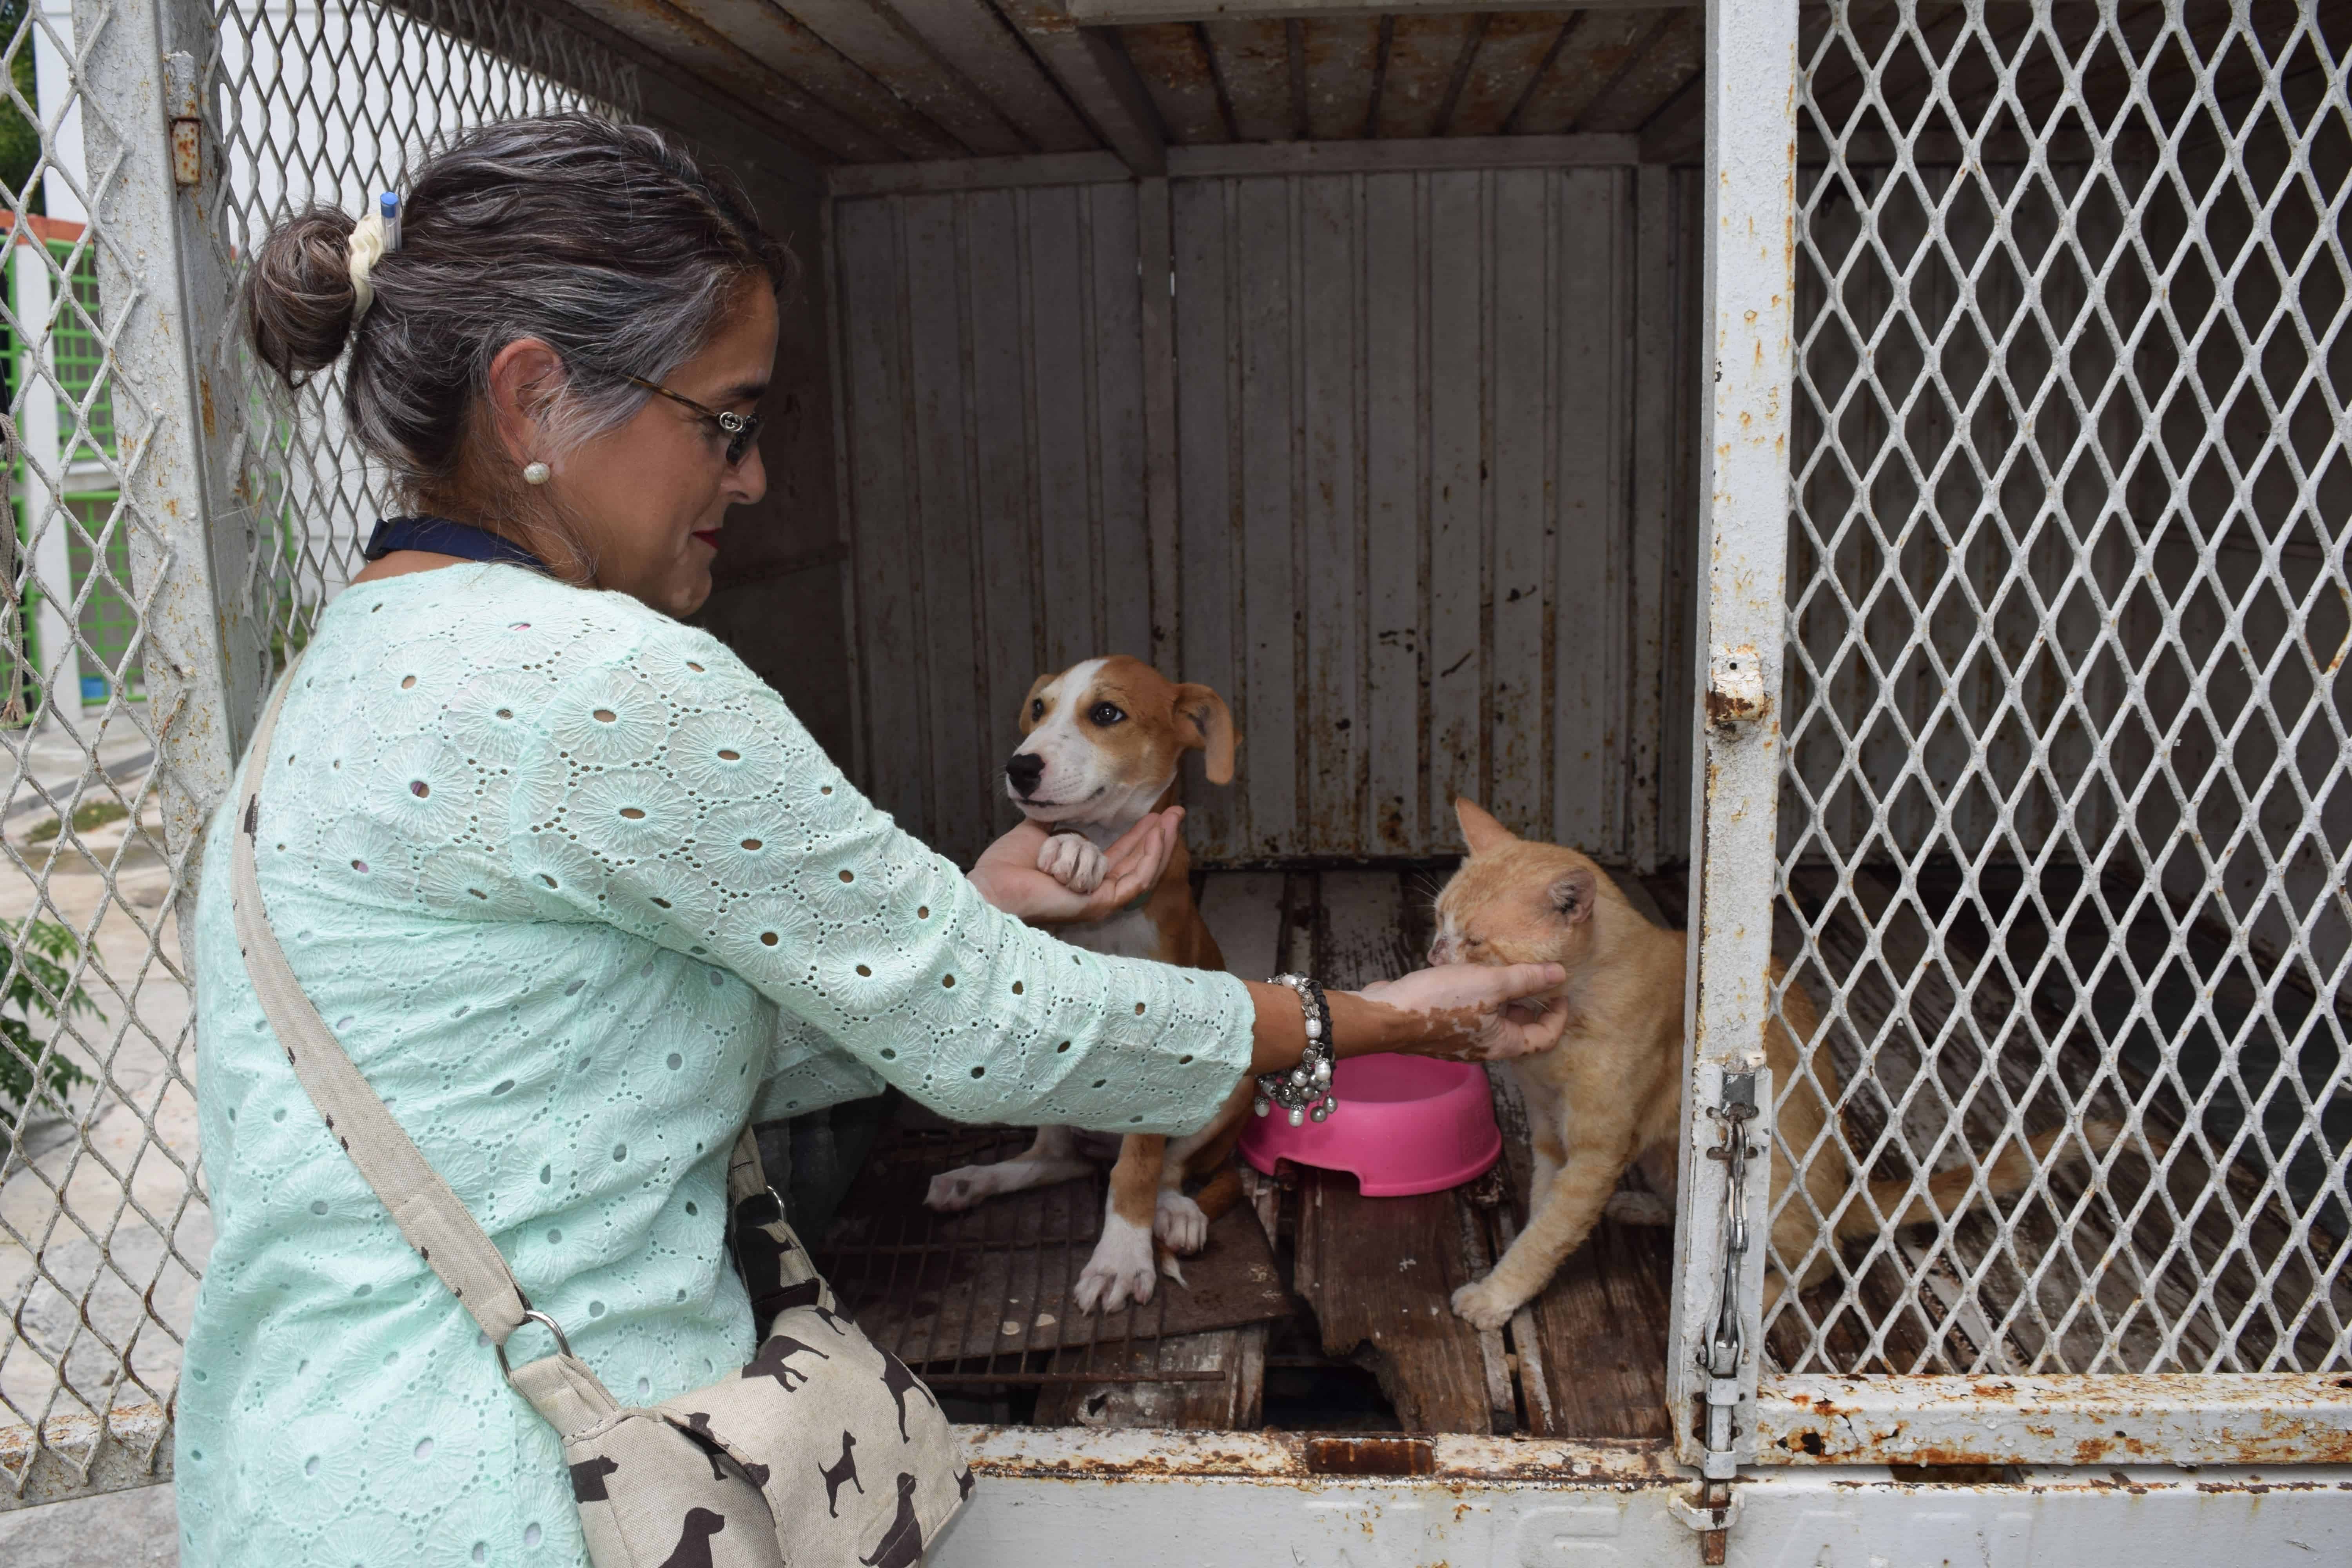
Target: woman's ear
[(1214, 722), (524, 379)]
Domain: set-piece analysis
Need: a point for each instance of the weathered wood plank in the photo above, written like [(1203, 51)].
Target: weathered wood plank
[(1155, 273), (897, 88), (1522, 327), (1394, 323), (1207, 355), (1515, 46), (1458, 410), (1005, 510), (1060, 388), (1253, 60), (785, 46), (1094, 70), (1173, 63), (1333, 735), (1127, 12), (1118, 464), (1361, 937), (1266, 321), (1423, 52), (1386, 156), (1343, 53), (1662, 67), (885, 500), (1601, 46), (976, 173), (1651, 499), (1218, 1405), (1429, 1362), (959, 811), (988, 53), (1589, 745)]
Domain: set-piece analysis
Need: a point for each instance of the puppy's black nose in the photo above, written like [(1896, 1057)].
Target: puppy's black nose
[(1024, 770)]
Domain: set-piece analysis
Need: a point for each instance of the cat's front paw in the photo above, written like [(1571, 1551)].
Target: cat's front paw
[(1483, 1304), (1072, 861)]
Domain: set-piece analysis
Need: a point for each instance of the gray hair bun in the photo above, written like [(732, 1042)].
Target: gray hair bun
[(298, 296)]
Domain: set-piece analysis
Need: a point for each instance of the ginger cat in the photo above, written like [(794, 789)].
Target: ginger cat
[(1608, 1096)]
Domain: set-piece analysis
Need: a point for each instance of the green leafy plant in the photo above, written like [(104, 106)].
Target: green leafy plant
[(39, 985), (88, 814)]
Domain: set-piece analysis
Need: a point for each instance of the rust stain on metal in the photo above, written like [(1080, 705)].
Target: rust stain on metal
[(1383, 1456), (205, 398)]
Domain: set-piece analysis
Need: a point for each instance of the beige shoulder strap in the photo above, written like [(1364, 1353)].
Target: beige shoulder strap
[(431, 1216)]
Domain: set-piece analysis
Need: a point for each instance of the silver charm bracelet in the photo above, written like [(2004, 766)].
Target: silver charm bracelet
[(1306, 1090)]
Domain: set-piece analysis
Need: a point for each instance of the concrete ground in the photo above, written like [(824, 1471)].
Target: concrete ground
[(127, 1529), (99, 1219)]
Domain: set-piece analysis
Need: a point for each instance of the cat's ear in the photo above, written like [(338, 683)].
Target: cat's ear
[(1479, 829), (1573, 895)]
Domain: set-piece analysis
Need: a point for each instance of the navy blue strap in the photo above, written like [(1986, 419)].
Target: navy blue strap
[(444, 536)]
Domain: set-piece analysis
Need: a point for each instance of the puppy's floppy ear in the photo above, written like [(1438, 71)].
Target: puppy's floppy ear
[(1573, 895), (1479, 829), (1213, 722), (1029, 702)]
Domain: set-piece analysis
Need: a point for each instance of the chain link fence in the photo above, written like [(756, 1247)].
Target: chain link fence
[(2064, 813), (103, 1227)]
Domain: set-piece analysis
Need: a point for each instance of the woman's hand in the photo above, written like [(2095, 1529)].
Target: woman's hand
[(1007, 874), (1473, 1012)]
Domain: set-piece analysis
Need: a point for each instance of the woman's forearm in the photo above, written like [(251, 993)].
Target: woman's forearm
[(1461, 1010)]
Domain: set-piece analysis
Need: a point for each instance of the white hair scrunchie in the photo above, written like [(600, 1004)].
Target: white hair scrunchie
[(368, 244)]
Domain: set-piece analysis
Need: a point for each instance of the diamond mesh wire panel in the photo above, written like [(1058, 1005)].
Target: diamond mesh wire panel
[(328, 102), (103, 1227), (2064, 812)]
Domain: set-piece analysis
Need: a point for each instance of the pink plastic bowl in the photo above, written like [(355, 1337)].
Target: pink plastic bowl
[(1405, 1125)]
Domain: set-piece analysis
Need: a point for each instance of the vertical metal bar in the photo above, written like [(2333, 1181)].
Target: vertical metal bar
[(178, 398), (1750, 87)]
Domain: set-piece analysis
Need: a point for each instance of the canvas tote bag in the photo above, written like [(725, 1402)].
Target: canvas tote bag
[(824, 1450)]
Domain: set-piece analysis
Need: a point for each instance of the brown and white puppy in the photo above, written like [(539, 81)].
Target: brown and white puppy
[(1103, 743), (1608, 1096)]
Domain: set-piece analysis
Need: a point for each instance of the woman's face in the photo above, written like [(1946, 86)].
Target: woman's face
[(648, 499)]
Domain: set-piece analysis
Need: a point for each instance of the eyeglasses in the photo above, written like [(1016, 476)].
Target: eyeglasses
[(741, 429)]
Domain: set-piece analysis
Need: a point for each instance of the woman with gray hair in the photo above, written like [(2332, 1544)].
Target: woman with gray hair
[(577, 893)]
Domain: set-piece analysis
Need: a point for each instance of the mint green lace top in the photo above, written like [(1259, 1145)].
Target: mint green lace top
[(580, 896)]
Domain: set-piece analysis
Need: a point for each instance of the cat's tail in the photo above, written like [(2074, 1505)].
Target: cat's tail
[(1954, 1191)]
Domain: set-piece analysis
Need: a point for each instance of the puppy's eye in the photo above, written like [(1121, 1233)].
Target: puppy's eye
[(1037, 708), (1104, 714)]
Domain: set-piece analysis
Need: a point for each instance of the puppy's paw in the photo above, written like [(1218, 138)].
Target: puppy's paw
[(1179, 1222), (1071, 860), (1120, 1270), (958, 1189), (1485, 1305)]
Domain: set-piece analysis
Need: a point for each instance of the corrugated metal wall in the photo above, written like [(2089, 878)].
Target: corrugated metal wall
[(1431, 432)]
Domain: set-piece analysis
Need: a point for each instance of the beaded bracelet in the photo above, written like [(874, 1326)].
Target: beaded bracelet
[(1305, 1090)]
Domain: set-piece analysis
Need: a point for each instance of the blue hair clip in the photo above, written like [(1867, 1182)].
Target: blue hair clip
[(388, 206)]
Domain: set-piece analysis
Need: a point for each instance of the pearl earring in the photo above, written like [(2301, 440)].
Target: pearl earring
[(534, 473)]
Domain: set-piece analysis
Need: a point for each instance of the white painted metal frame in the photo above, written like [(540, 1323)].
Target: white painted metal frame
[(1746, 313)]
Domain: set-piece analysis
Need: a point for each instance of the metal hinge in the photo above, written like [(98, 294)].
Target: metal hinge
[(1713, 1510), (181, 104)]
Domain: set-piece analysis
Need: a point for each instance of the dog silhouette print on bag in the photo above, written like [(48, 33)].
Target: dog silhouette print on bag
[(901, 1545), (898, 1379), (588, 1480), (775, 1355), (693, 1549), (844, 1470)]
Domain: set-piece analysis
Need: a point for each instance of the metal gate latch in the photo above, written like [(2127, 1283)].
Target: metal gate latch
[(1711, 1514)]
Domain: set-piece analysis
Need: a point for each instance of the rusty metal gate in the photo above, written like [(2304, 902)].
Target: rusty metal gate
[(2024, 721)]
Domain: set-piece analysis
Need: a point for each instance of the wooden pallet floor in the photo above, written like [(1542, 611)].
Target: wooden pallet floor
[(1369, 1339)]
